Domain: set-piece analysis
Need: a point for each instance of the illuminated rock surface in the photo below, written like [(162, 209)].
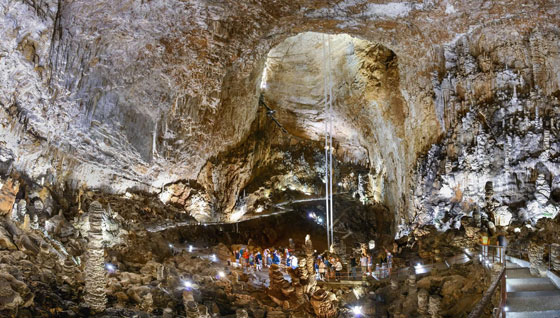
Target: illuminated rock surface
[(169, 113)]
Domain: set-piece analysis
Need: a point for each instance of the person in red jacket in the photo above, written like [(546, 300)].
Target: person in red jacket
[(246, 257)]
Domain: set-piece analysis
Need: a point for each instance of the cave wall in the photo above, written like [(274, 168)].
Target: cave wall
[(142, 94), (499, 157)]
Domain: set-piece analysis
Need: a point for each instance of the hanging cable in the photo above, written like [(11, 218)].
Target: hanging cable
[(331, 119), (329, 126), (325, 80)]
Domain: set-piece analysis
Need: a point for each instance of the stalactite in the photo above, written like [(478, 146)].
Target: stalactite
[(95, 272)]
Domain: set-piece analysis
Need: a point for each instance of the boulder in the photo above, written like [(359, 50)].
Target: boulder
[(8, 191), (6, 242), (13, 293)]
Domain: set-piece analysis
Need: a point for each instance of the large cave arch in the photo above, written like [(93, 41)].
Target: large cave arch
[(369, 110)]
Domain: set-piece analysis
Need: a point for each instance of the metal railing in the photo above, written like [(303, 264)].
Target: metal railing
[(494, 253), (500, 280)]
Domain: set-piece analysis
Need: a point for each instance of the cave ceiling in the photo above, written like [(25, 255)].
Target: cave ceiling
[(163, 96)]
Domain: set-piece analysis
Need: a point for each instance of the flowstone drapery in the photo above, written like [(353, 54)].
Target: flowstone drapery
[(95, 272)]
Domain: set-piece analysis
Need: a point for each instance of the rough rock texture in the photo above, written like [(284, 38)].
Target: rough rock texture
[(499, 155), (95, 267), (143, 94)]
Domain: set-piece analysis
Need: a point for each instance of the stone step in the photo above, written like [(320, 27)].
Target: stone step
[(519, 272), (533, 304), (534, 314), (511, 265), (538, 293), (529, 284)]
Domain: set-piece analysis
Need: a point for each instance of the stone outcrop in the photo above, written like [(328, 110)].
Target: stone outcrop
[(14, 294)]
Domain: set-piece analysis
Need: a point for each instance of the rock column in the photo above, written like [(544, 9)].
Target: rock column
[(412, 284), (555, 255), (423, 296), (434, 306), (95, 272), (536, 253)]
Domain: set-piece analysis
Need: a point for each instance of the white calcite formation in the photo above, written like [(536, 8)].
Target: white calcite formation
[(500, 154), (150, 94)]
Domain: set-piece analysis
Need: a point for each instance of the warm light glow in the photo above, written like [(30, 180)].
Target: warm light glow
[(221, 274)]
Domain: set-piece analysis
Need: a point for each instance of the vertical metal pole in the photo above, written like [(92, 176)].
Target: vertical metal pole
[(327, 214), (330, 139)]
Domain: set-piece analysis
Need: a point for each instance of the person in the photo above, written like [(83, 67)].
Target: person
[(266, 252), (259, 261), (236, 253), (370, 264), (294, 261), (353, 265), (287, 255), (268, 259), (502, 243), (389, 262), (316, 268), (363, 264), (484, 242), (246, 257), (276, 258), (338, 268), (251, 260), (322, 269)]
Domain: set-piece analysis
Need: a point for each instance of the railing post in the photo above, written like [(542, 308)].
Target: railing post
[(503, 296)]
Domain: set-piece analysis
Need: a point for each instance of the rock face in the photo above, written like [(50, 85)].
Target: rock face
[(114, 96), (13, 293), (499, 155)]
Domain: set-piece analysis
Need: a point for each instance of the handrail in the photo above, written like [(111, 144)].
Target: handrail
[(479, 308)]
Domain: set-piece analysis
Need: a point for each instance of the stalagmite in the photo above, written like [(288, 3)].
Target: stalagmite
[(94, 270), (555, 256), (434, 306), (423, 296), (20, 212), (536, 253), (412, 283), (35, 223)]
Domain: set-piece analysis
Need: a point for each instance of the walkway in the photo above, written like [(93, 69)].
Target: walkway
[(400, 273), (529, 296)]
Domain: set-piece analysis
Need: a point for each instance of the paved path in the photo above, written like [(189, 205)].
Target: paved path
[(529, 296)]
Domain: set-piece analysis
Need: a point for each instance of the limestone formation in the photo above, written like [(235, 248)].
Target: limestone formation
[(536, 258), (95, 268), (411, 282), (20, 212), (14, 294), (302, 293), (434, 306), (555, 256), (423, 296)]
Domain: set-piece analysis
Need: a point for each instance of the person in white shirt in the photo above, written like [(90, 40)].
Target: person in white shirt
[(338, 268)]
